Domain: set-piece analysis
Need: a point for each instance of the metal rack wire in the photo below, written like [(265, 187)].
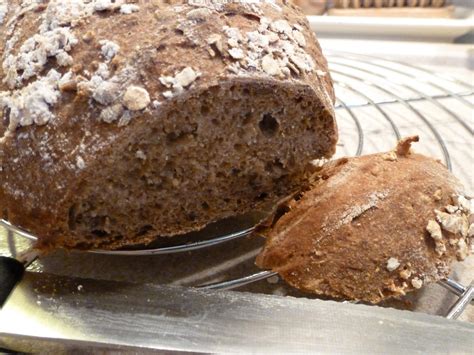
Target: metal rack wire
[(374, 94)]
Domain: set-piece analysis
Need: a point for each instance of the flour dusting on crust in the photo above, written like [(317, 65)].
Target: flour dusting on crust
[(3, 10)]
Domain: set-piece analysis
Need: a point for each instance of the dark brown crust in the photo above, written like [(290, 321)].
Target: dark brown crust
[(337, 238), (36, 194)]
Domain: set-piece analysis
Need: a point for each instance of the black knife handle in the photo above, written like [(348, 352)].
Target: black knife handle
[(11, 272)]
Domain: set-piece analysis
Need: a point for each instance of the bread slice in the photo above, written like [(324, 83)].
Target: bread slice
[(124, 122), (372, 227)]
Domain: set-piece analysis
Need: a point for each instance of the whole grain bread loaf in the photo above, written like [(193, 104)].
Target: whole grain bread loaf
[(120, 122), (372, 227)]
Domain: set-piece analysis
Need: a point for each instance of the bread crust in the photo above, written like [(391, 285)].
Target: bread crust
[(117, 71), (372, 227)]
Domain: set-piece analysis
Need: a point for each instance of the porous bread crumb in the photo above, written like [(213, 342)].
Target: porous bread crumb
[(417, 283), (127, 9), (398, 289), (405, 274), (136, 98), (463, 250), (109, 49), (435, 230), (140, 155), (390, 156), (392, 264), (453, 223)]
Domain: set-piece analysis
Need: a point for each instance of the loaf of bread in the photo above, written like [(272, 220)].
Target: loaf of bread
[(372, 227), (121, 122)]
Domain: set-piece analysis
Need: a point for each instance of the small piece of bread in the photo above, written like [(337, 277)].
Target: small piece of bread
[(372, 227)]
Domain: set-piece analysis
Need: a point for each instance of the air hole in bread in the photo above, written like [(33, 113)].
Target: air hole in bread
[(174, 137), (238, 147), (235, 171), (72, 217), (269, 125), (99, 233), (144, 230), (205, 109), (252, 17)]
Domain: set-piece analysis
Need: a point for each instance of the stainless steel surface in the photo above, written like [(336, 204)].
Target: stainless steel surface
[(458, 308), (379, 100), (65, 314), (242, 281), (146, 251), (454, 287)]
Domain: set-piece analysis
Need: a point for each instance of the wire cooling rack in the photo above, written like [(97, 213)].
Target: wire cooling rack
[(378, 102)]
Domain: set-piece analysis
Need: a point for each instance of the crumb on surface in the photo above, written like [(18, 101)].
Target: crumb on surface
[(392, 264)]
